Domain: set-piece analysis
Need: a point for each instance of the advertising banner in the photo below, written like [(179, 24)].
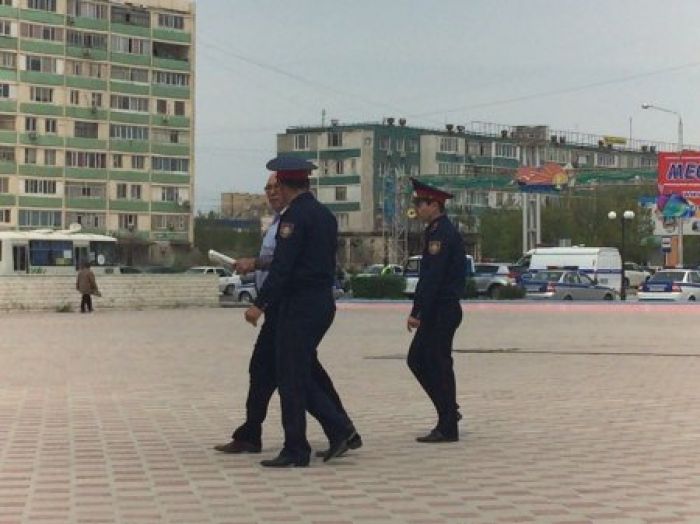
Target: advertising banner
[(679, 174)]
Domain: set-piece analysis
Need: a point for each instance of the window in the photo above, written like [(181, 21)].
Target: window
[(129, 74), (117, 161), (385, 143), (179, 108), (343, 219), (301, 142), (87, 220), (121, 191), (51, 252), (129, 45), (413, 145), (160, 163), (162, 106), (30, 155), (49, 157), (30, 123), (4, 90), (138, 162), (135, 192), (74, 97), (41, 94), (86, 159), (335, 139), (341, 193), (43, 64), (339, 167), (129, 103), (4, 184), (96, 99), (506, 150), (33, 218), (126, 132), (7, 154), (84, 190), (39, 186), (94, 10), (169, 194), (605, 160), (124, 15), (171, 136), (171, 21), (50, 125), (5, 216), (41, 32), (8, 60), (83, 68), (85, 130), (86, 39), (128, 221), (170, 222), (44, 5), (171, 79), (448, 145), (5, 28)]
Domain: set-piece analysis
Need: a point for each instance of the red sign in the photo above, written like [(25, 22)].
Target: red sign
[(679, 173)]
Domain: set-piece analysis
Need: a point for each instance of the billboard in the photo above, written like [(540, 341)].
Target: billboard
[(679, 174)]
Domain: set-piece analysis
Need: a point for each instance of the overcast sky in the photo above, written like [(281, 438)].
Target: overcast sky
[(263, 65)]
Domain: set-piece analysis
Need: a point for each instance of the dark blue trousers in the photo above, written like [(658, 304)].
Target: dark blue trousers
[(430, 360), (304, 318), (263, 381)]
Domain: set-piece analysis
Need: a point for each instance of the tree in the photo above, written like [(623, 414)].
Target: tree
[(501, 234)]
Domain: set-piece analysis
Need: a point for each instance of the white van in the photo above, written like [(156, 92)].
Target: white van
[(601, 263), (412, 269)]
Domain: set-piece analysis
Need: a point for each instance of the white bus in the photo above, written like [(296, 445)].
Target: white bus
[(49, 252)]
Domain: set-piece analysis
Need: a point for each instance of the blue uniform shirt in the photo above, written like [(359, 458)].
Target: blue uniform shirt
[(267, 250), (304, 259), (443, 268)]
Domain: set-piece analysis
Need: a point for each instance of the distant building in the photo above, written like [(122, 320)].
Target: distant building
[(244, 205), (364, 169)]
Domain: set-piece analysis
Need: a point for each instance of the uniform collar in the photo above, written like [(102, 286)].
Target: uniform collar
[(434, 221)]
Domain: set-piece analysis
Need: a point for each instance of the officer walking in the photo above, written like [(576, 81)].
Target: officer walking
[(247, 438), (436, 312), (300, 280)]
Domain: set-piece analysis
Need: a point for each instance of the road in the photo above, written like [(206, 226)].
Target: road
[(573, 413)]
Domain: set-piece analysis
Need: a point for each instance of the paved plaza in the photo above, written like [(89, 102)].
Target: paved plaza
[(573, 413)]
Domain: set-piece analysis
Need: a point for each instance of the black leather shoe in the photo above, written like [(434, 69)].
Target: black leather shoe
[(354, 442), (239, 446), (284, 461), (341, 446), (436, 436)]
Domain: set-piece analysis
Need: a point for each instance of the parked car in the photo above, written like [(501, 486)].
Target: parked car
[(679, 285), (412, 270), (246, 292), (635, 275), (491, 277), (379, 269), (227, 281), (562, 284)]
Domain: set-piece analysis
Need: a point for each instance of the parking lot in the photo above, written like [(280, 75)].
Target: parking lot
[(573, 413)]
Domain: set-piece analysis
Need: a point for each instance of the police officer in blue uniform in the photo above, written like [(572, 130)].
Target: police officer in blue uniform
[(300, 282), (436, 312), (247, 438)]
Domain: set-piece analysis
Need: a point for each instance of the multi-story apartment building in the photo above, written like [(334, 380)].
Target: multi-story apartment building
[(97, 117), (364, 169)]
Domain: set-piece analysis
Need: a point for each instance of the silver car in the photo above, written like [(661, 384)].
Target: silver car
[(491, 277), (562, 284)]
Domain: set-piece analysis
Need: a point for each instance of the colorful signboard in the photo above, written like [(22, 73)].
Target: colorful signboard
[(679, 174)]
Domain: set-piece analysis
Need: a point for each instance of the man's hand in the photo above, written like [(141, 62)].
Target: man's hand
[(244, 265), (412, 323), (252, 314)]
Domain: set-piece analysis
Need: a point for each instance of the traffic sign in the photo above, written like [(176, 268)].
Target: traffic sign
[(666, 242)]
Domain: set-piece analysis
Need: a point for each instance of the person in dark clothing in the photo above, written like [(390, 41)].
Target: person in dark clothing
[(86, 285), (299, 284), (247, 438), (436, 312)]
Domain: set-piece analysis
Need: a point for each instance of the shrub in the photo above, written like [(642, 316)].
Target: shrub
[(510, 292), (64, 308), (381, 286)]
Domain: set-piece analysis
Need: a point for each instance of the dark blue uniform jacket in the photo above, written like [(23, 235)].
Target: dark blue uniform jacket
[(442, 269), (304, 260)]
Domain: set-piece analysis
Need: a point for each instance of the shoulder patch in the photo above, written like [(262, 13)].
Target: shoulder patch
[(434, 247), (286, 229)]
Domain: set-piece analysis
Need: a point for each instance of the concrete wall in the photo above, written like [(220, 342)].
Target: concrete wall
[(140, 291)]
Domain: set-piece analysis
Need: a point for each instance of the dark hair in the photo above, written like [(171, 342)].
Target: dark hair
[(418, 200), (303, 183)]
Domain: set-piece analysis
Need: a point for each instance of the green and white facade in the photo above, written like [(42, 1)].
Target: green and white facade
[(97, 117)]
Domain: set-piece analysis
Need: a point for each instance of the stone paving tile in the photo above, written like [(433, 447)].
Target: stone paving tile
[(112, 418)]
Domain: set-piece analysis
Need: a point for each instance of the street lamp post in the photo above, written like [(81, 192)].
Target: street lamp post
[(680, 153), (627, 215)]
